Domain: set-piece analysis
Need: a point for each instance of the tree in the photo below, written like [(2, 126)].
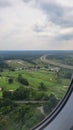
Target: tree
[(7, 105), (10, 80), (52, 102), (3, 123), (7, 94), (21, 93), (23, 80)]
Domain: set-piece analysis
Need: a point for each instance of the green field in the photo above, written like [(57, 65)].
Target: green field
[(43, 85), (12, 115), (54, 85)]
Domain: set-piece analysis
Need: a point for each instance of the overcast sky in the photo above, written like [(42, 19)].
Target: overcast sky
[(36, 24)]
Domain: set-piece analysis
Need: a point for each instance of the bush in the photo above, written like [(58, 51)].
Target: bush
[(42, 87), (41, 96)]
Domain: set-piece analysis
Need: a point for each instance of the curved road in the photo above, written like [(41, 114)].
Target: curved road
[(61, 117), (44, 59)]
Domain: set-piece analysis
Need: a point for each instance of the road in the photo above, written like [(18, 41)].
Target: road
[(32, 102), (61, 117), (44, 59)]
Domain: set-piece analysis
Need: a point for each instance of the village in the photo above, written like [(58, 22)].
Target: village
[(35, 68)]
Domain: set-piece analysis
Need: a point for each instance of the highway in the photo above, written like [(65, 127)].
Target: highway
[(61, 118), (44, 59)]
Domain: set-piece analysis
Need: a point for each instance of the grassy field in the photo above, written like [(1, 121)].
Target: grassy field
[(56, 85), (24, 116), (17, 63)]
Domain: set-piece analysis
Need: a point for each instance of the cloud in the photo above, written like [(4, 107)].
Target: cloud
[(27, 1), (38, 28), (57, 13), (65, 37), (52, 9), (36, 24), (4, 3)]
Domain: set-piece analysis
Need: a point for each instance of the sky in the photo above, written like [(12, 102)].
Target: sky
[(36, 24)]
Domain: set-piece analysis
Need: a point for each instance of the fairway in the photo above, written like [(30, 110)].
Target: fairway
[(29, 89), (53, 84)]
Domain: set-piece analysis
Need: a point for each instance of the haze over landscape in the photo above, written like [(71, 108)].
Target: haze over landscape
[(36, 25), (36, 64)]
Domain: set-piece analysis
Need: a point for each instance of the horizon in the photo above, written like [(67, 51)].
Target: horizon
[(36, 50)]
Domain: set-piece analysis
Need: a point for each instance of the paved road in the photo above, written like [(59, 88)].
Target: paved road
[(62, 117), (44, 59), (32, 102)]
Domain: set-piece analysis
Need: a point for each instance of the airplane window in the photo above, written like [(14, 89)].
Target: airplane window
[(36, 64)]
